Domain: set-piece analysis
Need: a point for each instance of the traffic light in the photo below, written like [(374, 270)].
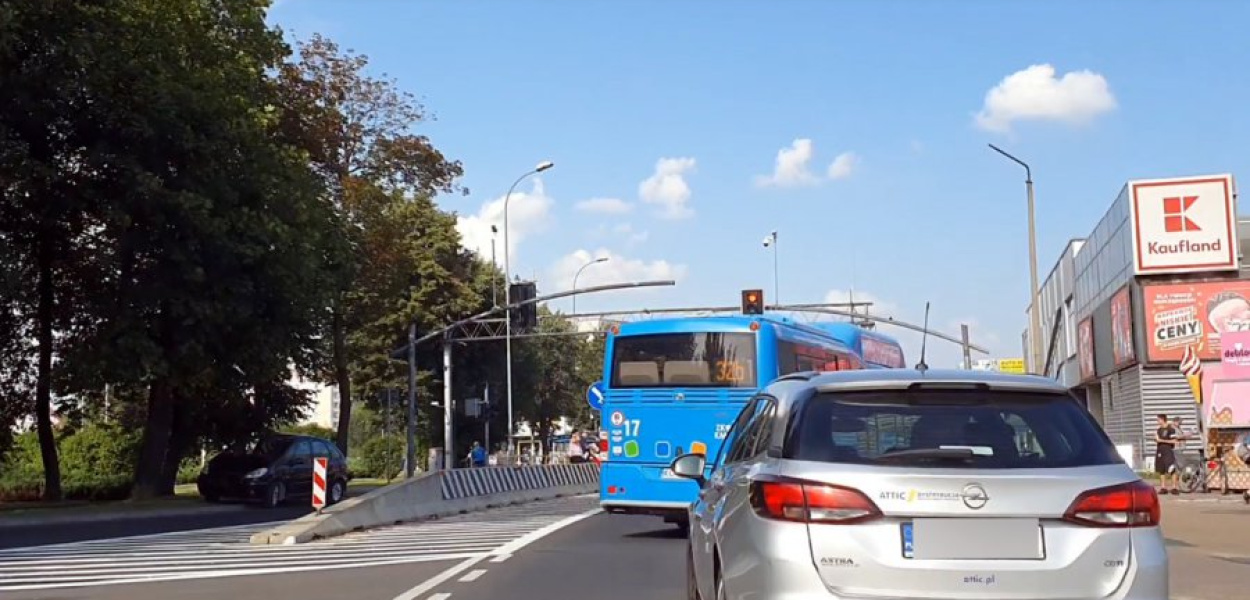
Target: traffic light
[(524, 318), (752, 302)]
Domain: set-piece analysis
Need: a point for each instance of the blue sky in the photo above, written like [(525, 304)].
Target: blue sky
[(672, 116)]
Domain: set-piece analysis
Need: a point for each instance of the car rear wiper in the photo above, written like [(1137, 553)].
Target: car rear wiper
[(960, 454)]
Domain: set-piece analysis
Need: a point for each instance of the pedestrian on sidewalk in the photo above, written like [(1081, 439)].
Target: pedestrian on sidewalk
[(478, 455)]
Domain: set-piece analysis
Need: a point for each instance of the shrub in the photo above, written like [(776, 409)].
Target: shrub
[(98, 452), (381, 456)]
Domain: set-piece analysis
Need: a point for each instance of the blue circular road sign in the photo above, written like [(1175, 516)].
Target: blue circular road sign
[(594, 395)]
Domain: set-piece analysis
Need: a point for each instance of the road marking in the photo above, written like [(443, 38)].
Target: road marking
[(440, 596), (473, 575), (509, 548), (500, 558), (227, 552)]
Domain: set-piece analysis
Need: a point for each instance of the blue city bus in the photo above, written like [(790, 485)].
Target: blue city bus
[(878, 351), (673, 386)]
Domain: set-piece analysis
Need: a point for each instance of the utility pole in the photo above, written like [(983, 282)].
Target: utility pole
[(486, 414), (963, 330), (449, 457), (410, 453)]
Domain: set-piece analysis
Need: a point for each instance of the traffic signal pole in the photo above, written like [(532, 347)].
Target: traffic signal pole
[(410, 350)]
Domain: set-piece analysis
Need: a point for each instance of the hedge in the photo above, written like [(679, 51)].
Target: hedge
[(97, 463)]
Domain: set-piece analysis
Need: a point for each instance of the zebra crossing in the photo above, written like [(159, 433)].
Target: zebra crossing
[(227, 552)]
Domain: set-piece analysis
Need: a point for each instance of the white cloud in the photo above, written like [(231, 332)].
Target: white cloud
[(791, 168), (617, 269), (667, 188), (843, 165), (632, 237), (1036, 94), (528, 214), (605, 206)]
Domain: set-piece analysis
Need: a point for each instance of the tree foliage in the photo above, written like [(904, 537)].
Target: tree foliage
[(190, 214)]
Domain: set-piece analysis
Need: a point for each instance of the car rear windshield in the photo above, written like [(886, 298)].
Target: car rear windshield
[(945, 428)]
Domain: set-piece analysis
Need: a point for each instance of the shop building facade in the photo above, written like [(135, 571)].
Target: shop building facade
[(1162, 271)]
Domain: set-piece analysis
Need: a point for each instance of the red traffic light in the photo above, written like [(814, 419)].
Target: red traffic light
[(752, 302)]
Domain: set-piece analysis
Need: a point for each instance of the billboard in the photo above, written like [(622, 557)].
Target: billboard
[(1122, 352), (1011, 365), (1235, 353), (1085, 348), (1184, 314), (1183, 225)]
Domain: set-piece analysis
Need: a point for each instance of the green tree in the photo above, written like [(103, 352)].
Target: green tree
[(357, 130), (211, 238), (547, 377)]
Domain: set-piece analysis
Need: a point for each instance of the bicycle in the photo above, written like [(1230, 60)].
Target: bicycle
[(1194, 474)]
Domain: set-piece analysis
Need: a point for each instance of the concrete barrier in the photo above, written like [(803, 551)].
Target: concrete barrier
[(435, 494)]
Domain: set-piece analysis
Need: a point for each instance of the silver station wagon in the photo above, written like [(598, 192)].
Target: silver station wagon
[(902, 484)]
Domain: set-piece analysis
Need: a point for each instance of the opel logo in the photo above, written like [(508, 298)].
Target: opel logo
[(974, 496), (679, 397)]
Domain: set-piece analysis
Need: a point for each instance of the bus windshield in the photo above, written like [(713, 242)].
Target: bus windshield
[(697, 359)]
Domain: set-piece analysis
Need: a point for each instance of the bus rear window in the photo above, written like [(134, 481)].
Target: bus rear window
[(684, 360)]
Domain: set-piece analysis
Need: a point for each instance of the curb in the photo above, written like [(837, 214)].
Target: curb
[(431, 495)]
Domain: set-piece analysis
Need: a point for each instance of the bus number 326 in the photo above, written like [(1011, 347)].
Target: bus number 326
[(730, 371)]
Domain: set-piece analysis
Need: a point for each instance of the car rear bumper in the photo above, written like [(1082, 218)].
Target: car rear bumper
[(776, 562)]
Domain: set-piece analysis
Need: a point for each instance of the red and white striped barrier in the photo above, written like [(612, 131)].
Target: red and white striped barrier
[(319, 483)]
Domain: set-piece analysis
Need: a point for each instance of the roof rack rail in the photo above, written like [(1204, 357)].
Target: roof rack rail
[(799, 376)]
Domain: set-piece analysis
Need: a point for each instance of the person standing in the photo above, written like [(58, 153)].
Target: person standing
[(1165, 456), (577, 454), (478, 455)]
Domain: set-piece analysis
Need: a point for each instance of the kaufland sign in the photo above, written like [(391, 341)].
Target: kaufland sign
[(1184, 225)]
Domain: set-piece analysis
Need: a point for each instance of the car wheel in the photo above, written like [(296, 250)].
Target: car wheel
[(211, 498), (692, 583), (336, 492), (275, 494)]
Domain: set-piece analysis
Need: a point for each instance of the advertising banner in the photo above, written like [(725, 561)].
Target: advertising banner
[(1011, 365), (1235, 353), (1085, 348), (1183, 314), (1122, 329), (1184, 225)]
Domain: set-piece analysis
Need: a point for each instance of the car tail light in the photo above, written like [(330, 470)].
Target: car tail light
[(1133, 504), (811, 502)]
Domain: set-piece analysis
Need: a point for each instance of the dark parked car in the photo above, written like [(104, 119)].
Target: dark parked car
[(278, 469)]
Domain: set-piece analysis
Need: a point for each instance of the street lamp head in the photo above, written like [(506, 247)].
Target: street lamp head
[(543, 166), (602, 259)]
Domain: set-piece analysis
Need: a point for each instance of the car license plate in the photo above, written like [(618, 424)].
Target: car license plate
[(909, 544)]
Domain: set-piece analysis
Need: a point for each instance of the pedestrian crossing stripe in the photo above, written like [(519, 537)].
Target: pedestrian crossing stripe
[(227, 551)]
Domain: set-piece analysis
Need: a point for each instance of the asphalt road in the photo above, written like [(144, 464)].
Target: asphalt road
[(562, 549), (58, 529)]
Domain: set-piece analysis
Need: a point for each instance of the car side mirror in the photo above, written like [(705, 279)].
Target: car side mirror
[(690, 466)]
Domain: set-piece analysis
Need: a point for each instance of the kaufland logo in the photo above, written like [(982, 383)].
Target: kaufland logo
[(1176, 211), (1174, 217)]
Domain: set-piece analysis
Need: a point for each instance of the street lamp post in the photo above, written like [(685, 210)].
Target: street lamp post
[(579, 274), (1035, 342), (507, 294), (771, 242), (494, 265)]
